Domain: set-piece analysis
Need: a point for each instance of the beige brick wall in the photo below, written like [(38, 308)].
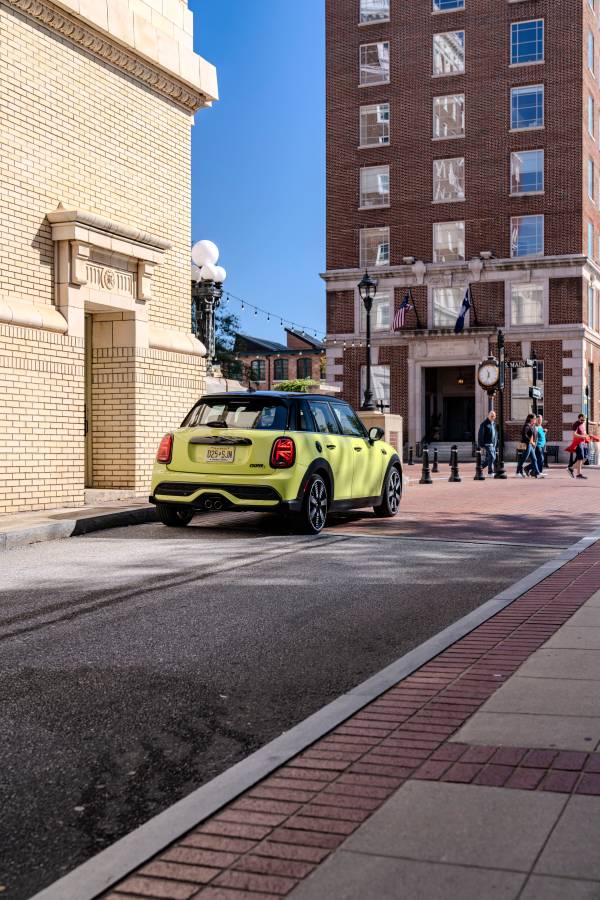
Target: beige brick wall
[(77, 130), (41, 419)]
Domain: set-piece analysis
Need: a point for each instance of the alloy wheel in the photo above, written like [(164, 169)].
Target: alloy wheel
[(317, 504), (393, 491)]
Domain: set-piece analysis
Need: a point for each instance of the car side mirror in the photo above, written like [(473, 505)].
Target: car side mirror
[(375, 434)]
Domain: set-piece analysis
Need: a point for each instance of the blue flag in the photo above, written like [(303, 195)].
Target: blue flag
[(466, 306)]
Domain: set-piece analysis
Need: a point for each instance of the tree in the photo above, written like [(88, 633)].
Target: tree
[(226, 328)]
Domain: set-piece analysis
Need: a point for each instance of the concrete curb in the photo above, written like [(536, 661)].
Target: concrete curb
[(65, 528), (110, 866)]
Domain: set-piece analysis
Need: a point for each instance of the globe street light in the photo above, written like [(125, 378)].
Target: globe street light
[(367, 288), (207, 290)]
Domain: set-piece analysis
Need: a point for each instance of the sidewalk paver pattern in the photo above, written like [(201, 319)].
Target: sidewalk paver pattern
[(407, 791)]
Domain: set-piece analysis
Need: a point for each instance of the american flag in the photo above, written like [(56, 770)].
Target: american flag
[(400, 314)]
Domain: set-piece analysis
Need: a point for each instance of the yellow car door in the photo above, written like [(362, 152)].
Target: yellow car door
[(335, 448), (367, 460)]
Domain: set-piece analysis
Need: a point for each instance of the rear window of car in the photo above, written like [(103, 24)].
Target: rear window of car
[(251, 413)]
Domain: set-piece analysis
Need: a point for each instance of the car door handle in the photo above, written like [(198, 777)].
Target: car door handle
[(331, 446), (358, 449)]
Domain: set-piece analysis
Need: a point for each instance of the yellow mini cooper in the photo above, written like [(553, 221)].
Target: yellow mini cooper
[(300, 455)]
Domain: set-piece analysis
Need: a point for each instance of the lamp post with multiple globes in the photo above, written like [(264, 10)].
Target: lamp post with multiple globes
[(207, 290)]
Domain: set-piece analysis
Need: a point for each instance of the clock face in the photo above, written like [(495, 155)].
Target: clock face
[(488, 374)]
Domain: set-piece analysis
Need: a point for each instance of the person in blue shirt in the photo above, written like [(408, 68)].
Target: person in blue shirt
[(487, 439), (540, 445)]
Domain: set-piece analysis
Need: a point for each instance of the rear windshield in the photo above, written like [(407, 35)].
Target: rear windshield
[(239, 412)]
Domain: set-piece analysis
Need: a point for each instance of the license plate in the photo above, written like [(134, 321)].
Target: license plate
[(220, 454)]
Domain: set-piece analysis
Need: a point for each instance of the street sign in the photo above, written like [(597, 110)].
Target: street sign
[(535, 393)]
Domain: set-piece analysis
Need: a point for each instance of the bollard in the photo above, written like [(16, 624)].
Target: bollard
[(479, 476), (454, 475), (435, 467), (410, 456), (425, 472), (452, 449)]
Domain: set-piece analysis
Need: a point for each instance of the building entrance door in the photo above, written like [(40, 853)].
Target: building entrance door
[(459, 418), (88, 401)]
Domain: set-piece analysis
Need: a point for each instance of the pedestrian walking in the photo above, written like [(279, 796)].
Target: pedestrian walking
[(534, 455), (487, 439), (578, 432), (540, 444), (528, 440)]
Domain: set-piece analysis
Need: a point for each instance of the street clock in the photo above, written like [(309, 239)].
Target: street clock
[(488, 374)]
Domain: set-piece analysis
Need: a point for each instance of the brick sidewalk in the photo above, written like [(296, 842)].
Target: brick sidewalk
[(264, 844)]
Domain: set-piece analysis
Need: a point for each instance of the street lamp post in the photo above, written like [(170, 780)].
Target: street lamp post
[(367, 288), (207, 291), (500, 471)]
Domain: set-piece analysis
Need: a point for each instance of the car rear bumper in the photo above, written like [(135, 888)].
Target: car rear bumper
[(211, 495)]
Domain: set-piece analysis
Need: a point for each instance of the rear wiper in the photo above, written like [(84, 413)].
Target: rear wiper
[(216, 424)]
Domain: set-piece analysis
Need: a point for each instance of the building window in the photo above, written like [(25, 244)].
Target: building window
[(591, 115), (446, 303), (375, 63), (527, 42), (280, 369), (304, 367), (527, 107), (380, 313), (588, 407), (448, 241), (374, 10), (375, 125), (590, 240), (380, 385), (375, 186), (374, 247), (590, 178), (590, 51), (527, 172), (527, 236), (521, 403), (526, 304), (447, 5), (449, 53), (448, 180), (449, 116), (590, 306), (257, 370)]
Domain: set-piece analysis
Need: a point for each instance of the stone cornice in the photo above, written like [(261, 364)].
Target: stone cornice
[(100, 45), (72, 219)]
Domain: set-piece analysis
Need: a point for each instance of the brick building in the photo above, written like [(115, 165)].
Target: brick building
[(463, 144), (96, 355), (267, 362)]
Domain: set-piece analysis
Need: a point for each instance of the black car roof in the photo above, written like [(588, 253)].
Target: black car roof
[(282, 395)]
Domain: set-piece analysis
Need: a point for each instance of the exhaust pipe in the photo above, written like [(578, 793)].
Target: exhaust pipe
[(208, 504), (217, 505)]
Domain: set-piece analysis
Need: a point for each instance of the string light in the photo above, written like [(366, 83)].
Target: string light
[(294, 326)]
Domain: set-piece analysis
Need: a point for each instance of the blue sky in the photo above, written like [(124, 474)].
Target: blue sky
[(258, 156)]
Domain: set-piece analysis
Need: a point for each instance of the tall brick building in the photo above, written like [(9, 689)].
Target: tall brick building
[(96, 355), (463, 144)]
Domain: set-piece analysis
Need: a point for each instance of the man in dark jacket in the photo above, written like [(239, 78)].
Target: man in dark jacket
[(487, 439)]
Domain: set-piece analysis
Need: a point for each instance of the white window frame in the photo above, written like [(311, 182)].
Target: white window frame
[(362, 47), (539, 286), (530, 62), (590, 178), (459, 295), (379, 322), (377, 19), (522, 89), (363, 262), (590, 239), (380, 384), (537, 191), (591, 52), (591, 117), (382, 172), (460, 6), (436, 164), (448, 137), (436, 245), (450, 73), (519, 392), (513, 221), (364, 111)]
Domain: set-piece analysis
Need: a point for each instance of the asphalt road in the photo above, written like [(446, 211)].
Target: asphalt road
[(137, 664)]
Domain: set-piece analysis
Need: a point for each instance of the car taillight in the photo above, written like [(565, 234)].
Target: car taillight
[(283, 453), (165, 449)]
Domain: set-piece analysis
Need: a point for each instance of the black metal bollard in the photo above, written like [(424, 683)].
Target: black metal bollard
[(454, 474), (452, 449), (410, 456), (435, 468), (425, 472), (479, 476)]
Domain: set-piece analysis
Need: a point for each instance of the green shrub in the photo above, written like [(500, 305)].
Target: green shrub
[(301, 385)]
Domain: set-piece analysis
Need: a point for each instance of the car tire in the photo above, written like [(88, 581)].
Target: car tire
[(391, 494), (174, 516), (311, 518)]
